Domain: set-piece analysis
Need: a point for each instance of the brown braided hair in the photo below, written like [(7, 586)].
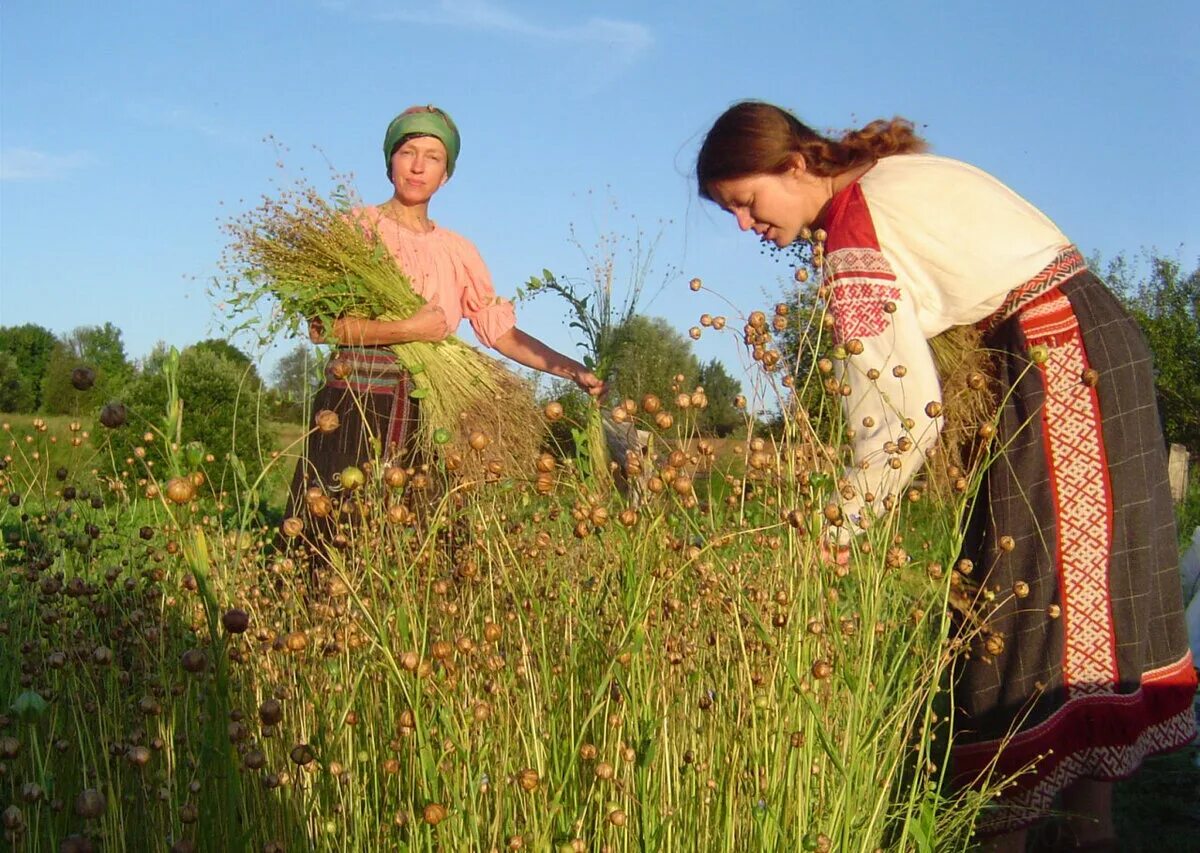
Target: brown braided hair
[(753, 137)]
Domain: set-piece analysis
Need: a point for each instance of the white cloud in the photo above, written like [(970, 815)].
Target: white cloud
[(626, 40), (26, 164), (174, 117)]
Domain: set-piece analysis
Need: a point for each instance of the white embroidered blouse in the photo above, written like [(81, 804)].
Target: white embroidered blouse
[(918, 244)]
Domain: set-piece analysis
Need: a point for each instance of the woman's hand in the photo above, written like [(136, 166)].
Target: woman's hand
[(429, 323), (589, 381), (836, 555), (835, 546)]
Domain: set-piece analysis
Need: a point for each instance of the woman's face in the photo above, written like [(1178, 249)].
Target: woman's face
[(774, 206), (418, 169)]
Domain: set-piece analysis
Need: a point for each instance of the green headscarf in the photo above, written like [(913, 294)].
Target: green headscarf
[(427, 121)]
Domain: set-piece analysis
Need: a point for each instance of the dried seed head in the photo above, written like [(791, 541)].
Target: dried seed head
[(326, 421), (90, 804), (340, 368), (194, 661), (235, 620), (12, 819), (478, 440), (302, 755), (528, 779), (180, 490), (395, 477)]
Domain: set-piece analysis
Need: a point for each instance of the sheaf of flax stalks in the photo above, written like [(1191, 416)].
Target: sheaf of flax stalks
[(966, 372), (313, 258)]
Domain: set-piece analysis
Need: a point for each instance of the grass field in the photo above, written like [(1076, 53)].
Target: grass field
[(514, 667)]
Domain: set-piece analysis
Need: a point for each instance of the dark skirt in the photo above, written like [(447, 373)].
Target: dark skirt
[(377, 423), (1078, 663)]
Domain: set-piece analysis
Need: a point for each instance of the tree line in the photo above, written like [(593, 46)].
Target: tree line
[(76, 373)]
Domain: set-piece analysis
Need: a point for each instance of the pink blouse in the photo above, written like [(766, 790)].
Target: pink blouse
[(447, 270)]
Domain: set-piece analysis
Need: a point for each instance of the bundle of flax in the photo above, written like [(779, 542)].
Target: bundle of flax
[(318, 261)]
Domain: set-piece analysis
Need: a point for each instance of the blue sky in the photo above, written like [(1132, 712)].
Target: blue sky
[(129, 131)]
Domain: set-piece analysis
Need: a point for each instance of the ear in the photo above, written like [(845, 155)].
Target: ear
[(798, 167), (445, 177)]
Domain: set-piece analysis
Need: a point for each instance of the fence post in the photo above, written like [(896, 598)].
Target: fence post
[(1177, 472)]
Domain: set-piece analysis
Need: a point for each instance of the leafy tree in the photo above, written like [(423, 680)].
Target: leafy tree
[(648, 353), (12, 386), (29, 346), (721, 417), (219, 410), (98, 348), (801, 346), (296, 378), (156, 358), (232, 354), (1166, 304)]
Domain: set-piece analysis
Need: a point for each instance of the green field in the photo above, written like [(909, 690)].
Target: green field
[(503, 669)]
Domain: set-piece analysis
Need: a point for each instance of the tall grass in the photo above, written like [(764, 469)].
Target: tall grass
[(518, 669)]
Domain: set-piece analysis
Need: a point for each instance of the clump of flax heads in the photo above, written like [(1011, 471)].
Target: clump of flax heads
[(310, 255)]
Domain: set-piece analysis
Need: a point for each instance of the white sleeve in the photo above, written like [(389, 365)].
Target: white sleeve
[(890, 373)]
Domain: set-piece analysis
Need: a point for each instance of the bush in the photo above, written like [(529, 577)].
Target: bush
[(1166, 304), (220, 410), (28, 348)]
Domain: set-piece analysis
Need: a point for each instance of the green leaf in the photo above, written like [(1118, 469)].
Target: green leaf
[(28, 706), (419, 393)]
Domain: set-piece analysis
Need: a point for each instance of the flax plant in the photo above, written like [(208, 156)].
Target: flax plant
[(534, 666), (316, 260)]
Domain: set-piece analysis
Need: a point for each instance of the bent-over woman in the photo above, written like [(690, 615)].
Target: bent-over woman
[(1091, 672)]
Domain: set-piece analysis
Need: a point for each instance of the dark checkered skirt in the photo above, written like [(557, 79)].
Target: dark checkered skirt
[(1079, 663), (369, 391)]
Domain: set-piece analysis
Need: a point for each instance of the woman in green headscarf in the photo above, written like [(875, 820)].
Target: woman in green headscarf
[(364, 385)]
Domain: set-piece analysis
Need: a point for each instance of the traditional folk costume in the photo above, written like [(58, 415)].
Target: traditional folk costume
[(366, 386), (1083, 668)]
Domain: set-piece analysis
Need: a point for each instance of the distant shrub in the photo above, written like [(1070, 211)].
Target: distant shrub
[(220, 410)]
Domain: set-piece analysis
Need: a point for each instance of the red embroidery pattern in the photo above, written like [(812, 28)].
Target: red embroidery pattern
[(1082, 494), (1066, 263), (860, 288), (857, 262), (1088, 736), (1021, 808)]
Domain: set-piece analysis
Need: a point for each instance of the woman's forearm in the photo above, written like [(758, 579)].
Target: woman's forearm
[(427, 324), (359, 331), (529, 351)]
